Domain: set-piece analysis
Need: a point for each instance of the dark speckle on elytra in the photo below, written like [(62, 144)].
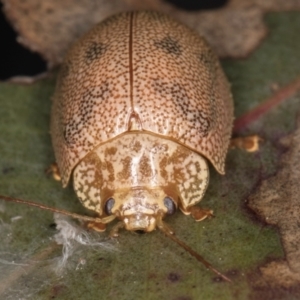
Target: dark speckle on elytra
[(94, 51), (173, 277), (169, 45)]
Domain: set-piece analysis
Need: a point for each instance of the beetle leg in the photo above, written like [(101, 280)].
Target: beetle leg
[(200, 214), (249, 143), (100, 227), (115, 230), (197, 212), (54, 171)]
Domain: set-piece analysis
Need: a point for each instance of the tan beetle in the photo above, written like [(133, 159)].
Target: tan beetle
[(140, 104)]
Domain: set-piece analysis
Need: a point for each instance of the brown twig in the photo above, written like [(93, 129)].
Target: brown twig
[(281, 95)]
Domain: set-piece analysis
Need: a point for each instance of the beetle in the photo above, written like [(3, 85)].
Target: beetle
[(141, 104)]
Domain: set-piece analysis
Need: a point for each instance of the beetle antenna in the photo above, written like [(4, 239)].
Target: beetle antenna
[(169, 233), (59, 211)]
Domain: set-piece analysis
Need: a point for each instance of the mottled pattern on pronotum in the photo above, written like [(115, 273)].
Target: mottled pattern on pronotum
[(140, 102), (140, 160)]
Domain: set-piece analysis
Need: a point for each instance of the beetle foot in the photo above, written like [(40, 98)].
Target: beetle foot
[(199, 213), (100, 227), (115, 230), (53, 169), (249, 143)]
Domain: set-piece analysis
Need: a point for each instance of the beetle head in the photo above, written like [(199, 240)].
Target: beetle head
[(138, 208)]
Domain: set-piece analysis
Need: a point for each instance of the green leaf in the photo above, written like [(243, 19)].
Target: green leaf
[(147, 266)]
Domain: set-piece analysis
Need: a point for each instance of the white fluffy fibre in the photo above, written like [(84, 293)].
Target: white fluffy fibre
[(16, 265), (71, 236), (27, 269)]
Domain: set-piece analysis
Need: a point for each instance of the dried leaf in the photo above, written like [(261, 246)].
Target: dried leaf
[(49, 27), (276, 201)]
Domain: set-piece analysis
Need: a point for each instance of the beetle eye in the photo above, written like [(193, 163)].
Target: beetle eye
[(109, 205), (170, 205)]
